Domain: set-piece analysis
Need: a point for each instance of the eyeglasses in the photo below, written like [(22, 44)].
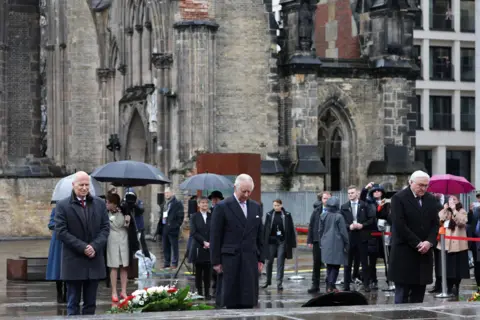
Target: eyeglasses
[(422, 185)]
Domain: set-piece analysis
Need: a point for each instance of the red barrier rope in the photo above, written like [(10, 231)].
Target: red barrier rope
[(379, 234)]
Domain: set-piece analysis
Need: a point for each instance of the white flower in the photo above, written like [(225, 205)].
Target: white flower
[(139, 293), (152, 290), (136, 300), (141, 303)]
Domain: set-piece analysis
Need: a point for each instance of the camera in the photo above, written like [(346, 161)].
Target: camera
[(130, 199)]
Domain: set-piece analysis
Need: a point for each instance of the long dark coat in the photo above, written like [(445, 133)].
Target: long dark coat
[(76, 228), (200, 232), (411, 225), (290, 235), (236, 243)]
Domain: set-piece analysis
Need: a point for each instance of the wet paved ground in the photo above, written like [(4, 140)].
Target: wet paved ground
[(38, 299)]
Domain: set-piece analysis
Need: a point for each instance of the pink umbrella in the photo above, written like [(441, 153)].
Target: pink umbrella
[(449, 184)]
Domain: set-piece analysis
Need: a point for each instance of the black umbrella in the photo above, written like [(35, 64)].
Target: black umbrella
[(129, 173), (206, 181), (342, 298)]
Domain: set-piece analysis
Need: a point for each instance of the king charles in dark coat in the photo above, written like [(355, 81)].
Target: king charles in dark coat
[(236, 247), (415, 226)]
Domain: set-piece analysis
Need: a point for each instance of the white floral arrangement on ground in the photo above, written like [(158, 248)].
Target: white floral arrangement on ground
[(161, 298)]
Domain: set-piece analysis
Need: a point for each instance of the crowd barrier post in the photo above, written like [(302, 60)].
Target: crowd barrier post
[(443, 265), (391, 286), (296, 276)]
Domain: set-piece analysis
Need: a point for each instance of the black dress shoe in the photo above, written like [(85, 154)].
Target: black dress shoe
[(280, 287), (313, 290), (435, 290), (265, 285)]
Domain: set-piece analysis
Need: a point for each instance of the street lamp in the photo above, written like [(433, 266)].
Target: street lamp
[(113, 145)]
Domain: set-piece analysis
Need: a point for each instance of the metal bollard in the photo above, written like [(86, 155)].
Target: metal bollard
[(443, 253), (296, 276), (391, 286)]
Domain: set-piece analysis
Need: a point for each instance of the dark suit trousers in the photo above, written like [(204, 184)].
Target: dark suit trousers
[(75, 289), (203, 274), (359, 250), (170, 249), (408, 293), (317, 264)]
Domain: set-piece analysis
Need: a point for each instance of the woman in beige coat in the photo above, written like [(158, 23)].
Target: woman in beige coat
[(454, 219), (118, 255)]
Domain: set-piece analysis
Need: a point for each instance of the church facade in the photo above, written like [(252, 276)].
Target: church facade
[(164, 81)]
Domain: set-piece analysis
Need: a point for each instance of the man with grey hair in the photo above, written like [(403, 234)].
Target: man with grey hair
[(236, 247), (82, 224), (415, 226), (172, 215)]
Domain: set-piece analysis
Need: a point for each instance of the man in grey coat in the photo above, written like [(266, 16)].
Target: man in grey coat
[(81, 223), (334, 241)]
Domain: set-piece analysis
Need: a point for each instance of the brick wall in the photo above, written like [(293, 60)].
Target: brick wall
[(25, 206), (336, 34), (196, 9)]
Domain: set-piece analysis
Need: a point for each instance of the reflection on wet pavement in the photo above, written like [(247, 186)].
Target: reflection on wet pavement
[(38, 299)]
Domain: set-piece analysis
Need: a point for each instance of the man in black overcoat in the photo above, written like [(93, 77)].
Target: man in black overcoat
[(82, 224), (415, 226), (236, 247)]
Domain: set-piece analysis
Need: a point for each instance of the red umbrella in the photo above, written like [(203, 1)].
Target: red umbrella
[(449, 184)]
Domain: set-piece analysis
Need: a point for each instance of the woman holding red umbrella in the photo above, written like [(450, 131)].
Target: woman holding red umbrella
[(454, 220)]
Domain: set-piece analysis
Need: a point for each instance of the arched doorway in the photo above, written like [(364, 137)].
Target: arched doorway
[(136, 141), (137, 150), (334, 136)]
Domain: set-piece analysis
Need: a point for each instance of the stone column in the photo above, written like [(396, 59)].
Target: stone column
[(426, 109), (195, 62), (298, 22), (163, 63), (439, 160), (146, 74), (129, 57), (137, 55), (477, 93), (425, 6), (103, 75), (3, 88)]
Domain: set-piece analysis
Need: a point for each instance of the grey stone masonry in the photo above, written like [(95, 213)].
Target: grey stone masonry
[(195, 62), (3, 93), (399, 117), (245, 111), (23, 77)]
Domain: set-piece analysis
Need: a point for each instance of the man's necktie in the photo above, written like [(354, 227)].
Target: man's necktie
[(244, 208), (83, 203), (419, 201)]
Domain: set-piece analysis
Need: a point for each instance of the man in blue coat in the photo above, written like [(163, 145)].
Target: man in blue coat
[(82, 224), (236, 247)]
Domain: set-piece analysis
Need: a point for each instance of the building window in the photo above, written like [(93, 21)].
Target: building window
[(417, 58), (441, 67), (459, 163), (425, 156), (467, 114), (467, 16), (441, 117), (441, 15), (418, 19), (419, 113), (467, 64)]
